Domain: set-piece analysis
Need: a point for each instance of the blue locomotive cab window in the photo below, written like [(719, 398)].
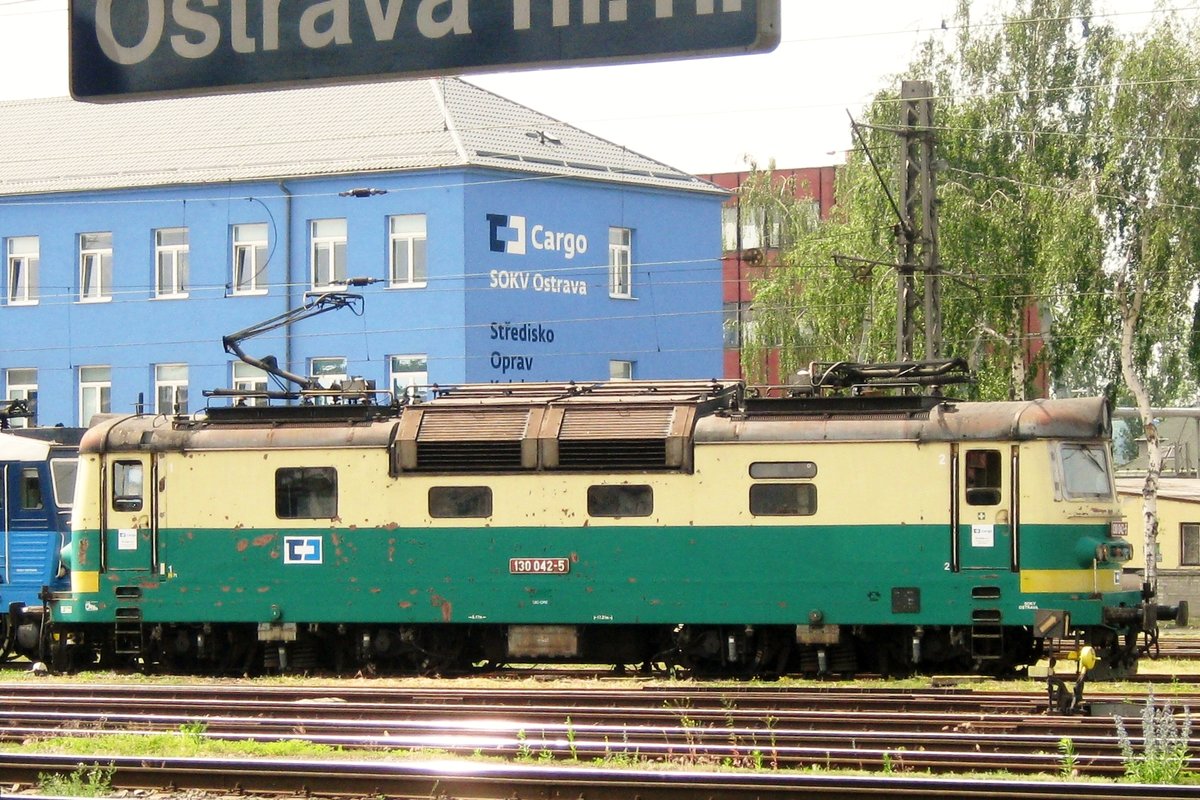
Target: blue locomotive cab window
[(460, 502), (620, 501), (306, 493), (1085, 471), (783, 499), (127, 486), (62, 474), (31, 489), (983, 470)]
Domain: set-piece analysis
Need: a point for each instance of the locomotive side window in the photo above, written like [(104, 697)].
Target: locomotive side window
[(306, 492), (31, 489), (783, 469), (983, 477), (1085, 471), (460, 501), (620, 501), (783, 499), (127, 486)]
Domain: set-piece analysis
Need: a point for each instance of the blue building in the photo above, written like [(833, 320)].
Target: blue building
[(503, 246)]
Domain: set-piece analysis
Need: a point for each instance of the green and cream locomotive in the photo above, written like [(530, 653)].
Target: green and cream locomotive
[(666, 524)]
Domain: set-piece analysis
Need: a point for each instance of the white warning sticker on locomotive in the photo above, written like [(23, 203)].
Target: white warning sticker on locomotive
[(983, 535), (127, 538)]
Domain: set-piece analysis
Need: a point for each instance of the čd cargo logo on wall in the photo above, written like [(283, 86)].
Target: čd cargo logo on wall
[(508, 234), (125, 49)]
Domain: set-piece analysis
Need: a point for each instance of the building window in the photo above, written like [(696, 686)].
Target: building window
[(329, 372), (1189, 546), (620, 262), (729, 228), (247, 378), (171, 388), (22, 270), (306, 493), (95, 266), (95, 392), (406, 374), (171, 262), (738, 324), (328, 253), (620, 370), (249, 258), (406, 235), (22, 385)]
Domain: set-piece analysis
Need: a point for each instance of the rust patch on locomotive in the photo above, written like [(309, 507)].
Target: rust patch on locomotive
[(447, 608), (84, 547), (264, 540), (243, 545)]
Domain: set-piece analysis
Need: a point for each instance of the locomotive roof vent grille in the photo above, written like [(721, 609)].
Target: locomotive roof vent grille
[(617, 437), (622, 454), (569, 435), (468, 456), (477, 439)]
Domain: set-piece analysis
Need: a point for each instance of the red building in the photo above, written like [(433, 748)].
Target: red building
[(751, 243)]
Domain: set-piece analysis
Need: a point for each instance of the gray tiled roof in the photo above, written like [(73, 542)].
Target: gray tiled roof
[(59, 145)]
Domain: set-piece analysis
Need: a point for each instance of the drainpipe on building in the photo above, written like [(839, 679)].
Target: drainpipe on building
[(291, 300)]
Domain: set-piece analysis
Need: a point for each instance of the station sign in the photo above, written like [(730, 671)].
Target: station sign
[(138, 49)]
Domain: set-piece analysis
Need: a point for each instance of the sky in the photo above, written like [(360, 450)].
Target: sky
[(703, 116)]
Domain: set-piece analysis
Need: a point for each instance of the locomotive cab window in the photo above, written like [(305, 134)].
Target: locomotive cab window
[(127, 486), (1085, 471), (31, 489), (983, 477), (461, 502), (306, 493), (62, 473), (620, 501), (783, 499)]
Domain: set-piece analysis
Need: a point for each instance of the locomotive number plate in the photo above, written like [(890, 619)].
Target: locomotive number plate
[(539, 566)]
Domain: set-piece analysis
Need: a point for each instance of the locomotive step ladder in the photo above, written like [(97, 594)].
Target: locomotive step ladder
[(987, 634), (127, 632)]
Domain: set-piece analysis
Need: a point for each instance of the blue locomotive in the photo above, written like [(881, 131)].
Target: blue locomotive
[(38, 484)]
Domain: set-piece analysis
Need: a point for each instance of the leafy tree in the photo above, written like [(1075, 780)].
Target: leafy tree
[(1148, 198), (1011, 140)]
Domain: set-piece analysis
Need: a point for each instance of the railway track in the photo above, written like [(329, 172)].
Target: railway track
[(424, 780), (776, 731)]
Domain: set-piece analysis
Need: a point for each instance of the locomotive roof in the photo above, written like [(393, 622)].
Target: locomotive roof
[(469, 426), (937, 421), (35, 444)]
